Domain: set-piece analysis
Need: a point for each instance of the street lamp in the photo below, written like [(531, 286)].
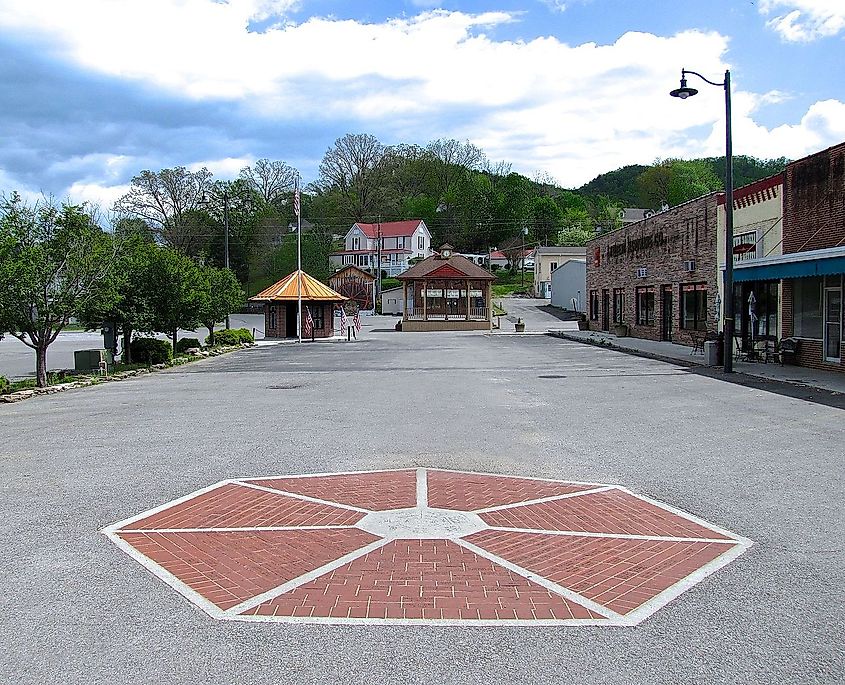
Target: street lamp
[(683, 93)]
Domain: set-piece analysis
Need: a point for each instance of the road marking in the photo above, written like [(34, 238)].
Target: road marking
[(621, 536), (422, 488), (541, 500)]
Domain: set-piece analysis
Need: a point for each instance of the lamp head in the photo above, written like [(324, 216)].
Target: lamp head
[(684, 91)]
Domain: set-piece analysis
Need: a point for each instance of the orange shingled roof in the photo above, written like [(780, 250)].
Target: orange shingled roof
[(287, 290)]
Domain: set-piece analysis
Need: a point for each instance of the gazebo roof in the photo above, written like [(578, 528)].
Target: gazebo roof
[(455, 266), (351, 268), (287, 290)]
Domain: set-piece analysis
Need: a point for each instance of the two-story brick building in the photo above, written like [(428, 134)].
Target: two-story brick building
[(658, 275)]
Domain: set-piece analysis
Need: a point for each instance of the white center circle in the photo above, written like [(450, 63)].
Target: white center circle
[(421, 523)]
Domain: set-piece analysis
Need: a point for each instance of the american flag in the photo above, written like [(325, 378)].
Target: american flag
[(343, 322), (308, 324), (357, 320), (296, 207)]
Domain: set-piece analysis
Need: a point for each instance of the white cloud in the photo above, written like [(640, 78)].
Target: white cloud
[(556, 5), (803, 21), (572, 111)]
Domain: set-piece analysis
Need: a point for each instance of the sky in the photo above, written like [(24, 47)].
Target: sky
[(94, 91)]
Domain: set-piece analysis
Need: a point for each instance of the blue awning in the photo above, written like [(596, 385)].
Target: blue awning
[(820, 266)]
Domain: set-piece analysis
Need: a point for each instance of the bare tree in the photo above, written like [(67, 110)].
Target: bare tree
[(353, 165), (271, 179), (166, 201), (454, 159)]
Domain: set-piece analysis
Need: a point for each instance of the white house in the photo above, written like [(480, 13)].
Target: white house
[(547, 259), (400, 241)]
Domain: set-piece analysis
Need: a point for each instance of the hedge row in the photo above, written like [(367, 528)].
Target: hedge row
[(231, 336)]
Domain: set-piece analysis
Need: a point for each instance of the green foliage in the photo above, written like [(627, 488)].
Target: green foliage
[(151, 351), (231, 336), (388, 283), (175, 292), (575, 236), (221, 295), (185, 344), (5, 385)]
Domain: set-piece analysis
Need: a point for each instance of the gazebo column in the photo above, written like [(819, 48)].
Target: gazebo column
[(488, 298), (405, 301), (466, 285), (425, 300)]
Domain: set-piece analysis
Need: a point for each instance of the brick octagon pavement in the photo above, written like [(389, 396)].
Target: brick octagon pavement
[(425, 546)]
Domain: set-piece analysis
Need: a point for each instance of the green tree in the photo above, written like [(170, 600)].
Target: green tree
[(174, 292), (54, 263), (222, 295)]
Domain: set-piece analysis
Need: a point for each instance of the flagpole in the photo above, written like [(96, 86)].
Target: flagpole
[(298, 207)]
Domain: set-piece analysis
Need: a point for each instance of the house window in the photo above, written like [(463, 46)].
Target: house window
[(618, 305), (645, 306), (421, 242), (694, 306), (273, 316), (594, 305), (807, 307), (552, 266), (356, 243), (318, 317)]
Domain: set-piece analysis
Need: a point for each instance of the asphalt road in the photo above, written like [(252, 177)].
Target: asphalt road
[(766, 466)]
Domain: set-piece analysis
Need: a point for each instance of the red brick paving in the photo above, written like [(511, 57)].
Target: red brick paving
[(617, 573), (375, 491), (471, 491), (237, 506), (611, 511), (432, 579), (229, 567)]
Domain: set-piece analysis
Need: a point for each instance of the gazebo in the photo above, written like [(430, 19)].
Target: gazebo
[(446, 292), (281, 303)]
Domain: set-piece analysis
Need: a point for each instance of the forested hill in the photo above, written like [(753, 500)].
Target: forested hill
[(636, 185)]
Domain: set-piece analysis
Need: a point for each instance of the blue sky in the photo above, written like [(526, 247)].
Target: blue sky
[(94, 91)]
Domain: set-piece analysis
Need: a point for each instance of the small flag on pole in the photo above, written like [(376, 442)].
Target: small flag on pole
[(308, 323), (357, 320), (296, 206), (343, 322)]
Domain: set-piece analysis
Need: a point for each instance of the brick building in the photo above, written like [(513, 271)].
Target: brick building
[(658, 275), (809, 272)]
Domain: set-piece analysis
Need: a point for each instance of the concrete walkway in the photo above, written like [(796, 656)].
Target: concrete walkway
[(832, 381)]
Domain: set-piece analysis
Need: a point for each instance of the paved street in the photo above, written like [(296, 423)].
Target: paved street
[(761, 464)]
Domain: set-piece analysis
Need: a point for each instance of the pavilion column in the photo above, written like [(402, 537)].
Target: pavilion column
[(466, 285), (405, 301), (425, 300), (488, 298)]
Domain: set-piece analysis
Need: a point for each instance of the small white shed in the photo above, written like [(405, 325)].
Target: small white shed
[(569, 283), (391, 301)]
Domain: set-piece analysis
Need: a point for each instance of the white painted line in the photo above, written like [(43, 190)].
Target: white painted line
[(329, 473), (642, 612), (542, 500), (512, 476), (166, 505), (690, 517), (306, 577), (422, 488), (167, 577), (540, 580), (620, 536), (431, 622), (304, 498), (231, 530)]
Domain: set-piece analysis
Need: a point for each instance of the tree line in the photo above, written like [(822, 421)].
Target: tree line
[(58, 263)]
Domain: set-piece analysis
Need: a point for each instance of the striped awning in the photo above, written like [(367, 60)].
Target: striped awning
[(288, 289)]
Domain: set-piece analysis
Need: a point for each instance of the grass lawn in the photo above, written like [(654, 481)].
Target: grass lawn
[(508, 282)]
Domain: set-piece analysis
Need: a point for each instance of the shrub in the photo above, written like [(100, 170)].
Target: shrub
[(186, 344), (151, 351), (232, 336), (5, 385)]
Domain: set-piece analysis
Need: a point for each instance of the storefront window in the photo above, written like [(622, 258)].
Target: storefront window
[(594, 305), (807, 307), (618, 305), (645, 306), (317, 315), (694, 306)]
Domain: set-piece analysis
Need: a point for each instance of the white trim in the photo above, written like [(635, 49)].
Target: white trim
[(422, 489), (808, 256), (542, 500), (230, 530), (304, 498), (619, 536)]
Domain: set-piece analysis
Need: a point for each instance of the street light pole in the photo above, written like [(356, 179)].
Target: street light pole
[(226, 238), (683, 93)]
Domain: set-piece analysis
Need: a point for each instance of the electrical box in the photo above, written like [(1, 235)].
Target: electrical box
[(91, 360)]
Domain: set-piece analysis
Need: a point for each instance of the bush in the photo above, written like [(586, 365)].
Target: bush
[(5, 385), (186, 344), (151, 351), (232, 336)]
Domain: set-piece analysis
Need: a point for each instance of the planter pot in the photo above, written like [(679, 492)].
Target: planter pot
[(519, 326), (620, 330), (583, 325)]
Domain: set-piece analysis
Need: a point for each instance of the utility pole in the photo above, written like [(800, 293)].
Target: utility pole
[(522, 257), (226, 237), (378, 260)]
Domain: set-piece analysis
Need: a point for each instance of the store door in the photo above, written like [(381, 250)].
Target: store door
[(832, 324), (605, 310), (666, 329)]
